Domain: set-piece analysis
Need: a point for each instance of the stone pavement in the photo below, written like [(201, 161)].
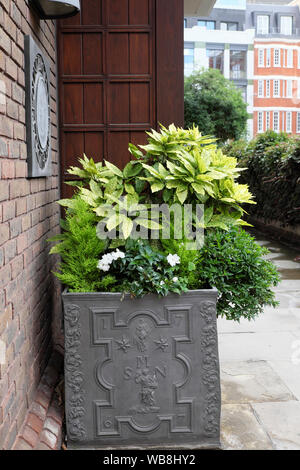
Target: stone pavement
[(260, 367)]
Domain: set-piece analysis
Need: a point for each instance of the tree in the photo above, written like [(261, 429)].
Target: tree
[(215, 105)]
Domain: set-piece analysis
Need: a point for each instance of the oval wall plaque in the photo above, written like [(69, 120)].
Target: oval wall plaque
[(38, 116)]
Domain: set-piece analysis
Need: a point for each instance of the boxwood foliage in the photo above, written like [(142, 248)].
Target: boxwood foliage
[(273, 175)]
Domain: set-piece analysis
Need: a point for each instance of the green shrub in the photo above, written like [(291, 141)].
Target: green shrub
[(273, 174), (215, 105), (233, 262)]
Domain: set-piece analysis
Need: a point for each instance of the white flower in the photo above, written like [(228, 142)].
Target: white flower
[(175, 279), (173, 259), (103, 266), (162, 283)]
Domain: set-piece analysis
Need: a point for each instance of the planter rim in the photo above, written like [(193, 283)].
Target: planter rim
[(116, 295)]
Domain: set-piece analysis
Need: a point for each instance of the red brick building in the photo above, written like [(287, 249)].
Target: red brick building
[(277, 85)]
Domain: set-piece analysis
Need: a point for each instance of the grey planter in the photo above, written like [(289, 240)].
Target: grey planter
[(142, 372)]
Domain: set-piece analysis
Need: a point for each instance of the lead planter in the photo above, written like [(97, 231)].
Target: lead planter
[(142, 372)]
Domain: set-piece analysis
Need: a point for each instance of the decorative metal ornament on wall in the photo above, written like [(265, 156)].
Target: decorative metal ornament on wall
[(38, 116)]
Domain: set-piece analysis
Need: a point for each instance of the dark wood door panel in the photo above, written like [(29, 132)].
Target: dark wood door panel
[(120, 74)]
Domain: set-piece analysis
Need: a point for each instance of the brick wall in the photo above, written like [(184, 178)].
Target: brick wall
[(29, 296)]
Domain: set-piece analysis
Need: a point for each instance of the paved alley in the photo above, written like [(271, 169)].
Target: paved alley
[(260, 367)]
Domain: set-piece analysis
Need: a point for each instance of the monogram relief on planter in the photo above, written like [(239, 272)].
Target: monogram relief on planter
[(148, 389), (73, 374), (38, 115)]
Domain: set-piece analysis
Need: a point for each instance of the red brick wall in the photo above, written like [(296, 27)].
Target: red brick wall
[(29, 296)]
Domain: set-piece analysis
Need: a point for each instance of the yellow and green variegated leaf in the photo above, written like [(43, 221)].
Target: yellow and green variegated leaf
[(96, 189), (114, 221), (127, 227), (155, 187), (182, 195), (114, 169), (198, 188), (129, 188)]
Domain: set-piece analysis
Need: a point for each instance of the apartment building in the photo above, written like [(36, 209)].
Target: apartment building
[(221, 41), (276, 100), (258, 48)]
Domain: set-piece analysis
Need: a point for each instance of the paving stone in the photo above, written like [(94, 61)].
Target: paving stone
[(289, 371), (286, 264), (255, 346), (281, 421), (240, 429), (248, 382)]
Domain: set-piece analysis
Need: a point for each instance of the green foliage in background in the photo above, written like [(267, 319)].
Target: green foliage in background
[(215, 105), (273, 175)]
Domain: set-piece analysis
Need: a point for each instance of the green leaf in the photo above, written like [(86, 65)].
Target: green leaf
[(127, 227), (114, 169)]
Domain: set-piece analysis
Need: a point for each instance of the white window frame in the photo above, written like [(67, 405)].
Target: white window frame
[(289, 89), (268, 88), (290, 58), (286, 28), (278, 88), (298, 123), (277, 56), (276, 114), (260, 91), (263, 24), (288, 121), (261, 57), (268, 120), (268, 58), (260, 122)]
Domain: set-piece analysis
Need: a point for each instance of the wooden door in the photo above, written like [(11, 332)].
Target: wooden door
[(120, 73)]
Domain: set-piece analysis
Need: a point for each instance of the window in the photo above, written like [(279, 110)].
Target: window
[(238, 64), (268, 87), (268, 62), (185, 23), (206, 24), (276, 121), (286, 25), (228, 26), (289, 88), (288, 121), (276, 88), (290, 56), (260, 88), (267, 120), (276, 57), (263, 24), (188, 60), (215, 59), (260, 122), (261, 57), (243, 90), (298, 122)]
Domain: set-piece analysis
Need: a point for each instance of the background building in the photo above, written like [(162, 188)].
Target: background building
[(257, 47), (221, 41), (276, 67)]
